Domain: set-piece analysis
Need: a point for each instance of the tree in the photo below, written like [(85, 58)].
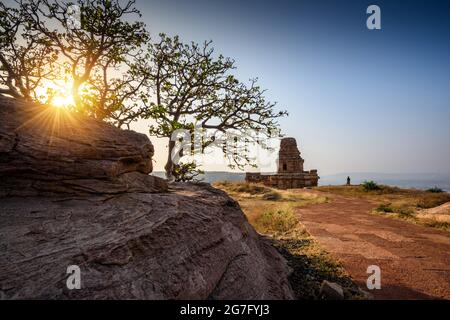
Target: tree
[(195, 88), (116, 99), (26, 58), (183, 172), (99, 54)]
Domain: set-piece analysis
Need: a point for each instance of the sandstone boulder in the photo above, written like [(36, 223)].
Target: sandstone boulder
[(331, 290), (191, 243), (79, 193), (49, 150)]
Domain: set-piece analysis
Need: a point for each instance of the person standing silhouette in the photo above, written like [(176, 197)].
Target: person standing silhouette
[(348, 181)]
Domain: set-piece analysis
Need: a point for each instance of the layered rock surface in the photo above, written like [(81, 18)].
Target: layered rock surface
[(78, 193), (49, 150)]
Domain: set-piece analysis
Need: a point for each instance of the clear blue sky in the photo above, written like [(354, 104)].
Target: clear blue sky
[(359, 100)]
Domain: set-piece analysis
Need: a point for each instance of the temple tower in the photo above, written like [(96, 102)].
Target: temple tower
[(289, 159), (290, 172)]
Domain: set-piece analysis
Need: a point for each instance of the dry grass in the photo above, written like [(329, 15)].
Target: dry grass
[(408, 204), (269, 210), (244, 190), (272, 213), (277, 221), (438, 217)]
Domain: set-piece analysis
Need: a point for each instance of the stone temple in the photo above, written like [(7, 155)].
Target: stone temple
[(290, 172)]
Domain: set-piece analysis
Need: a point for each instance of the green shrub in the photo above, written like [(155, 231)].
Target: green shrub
[(272, 195), (385, 207), (370, 186), (435, 190), (438, 224), (406, 213), (251, 188)]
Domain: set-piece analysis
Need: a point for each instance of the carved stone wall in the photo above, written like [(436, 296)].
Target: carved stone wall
[(289, 160), (290, 172)]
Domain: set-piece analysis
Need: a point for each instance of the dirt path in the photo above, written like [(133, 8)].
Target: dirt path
[(414, 260)]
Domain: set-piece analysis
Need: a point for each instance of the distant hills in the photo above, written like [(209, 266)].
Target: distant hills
[(213, 176), (404, 180)]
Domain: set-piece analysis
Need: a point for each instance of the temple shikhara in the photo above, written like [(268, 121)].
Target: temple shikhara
[(290, 172)]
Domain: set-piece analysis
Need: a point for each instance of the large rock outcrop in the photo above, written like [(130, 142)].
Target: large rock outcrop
[(77, 192), (49, 150)]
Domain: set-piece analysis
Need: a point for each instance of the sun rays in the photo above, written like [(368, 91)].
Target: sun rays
[(62, 101), (52, 122), (56, 93)]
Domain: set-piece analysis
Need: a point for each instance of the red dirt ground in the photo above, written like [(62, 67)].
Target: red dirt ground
[(414, 260)]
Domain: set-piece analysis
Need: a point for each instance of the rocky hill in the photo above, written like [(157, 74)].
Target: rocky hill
[(75, 191)]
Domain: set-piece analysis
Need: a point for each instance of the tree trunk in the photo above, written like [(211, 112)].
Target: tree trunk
[(169, 164), (75, 93)]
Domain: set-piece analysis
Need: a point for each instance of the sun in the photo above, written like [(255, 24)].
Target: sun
[(56, 93), (62, 101)]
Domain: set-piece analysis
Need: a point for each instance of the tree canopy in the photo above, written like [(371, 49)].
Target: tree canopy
[(26, 57), (118, 74), (194, 88), (97, 54)]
